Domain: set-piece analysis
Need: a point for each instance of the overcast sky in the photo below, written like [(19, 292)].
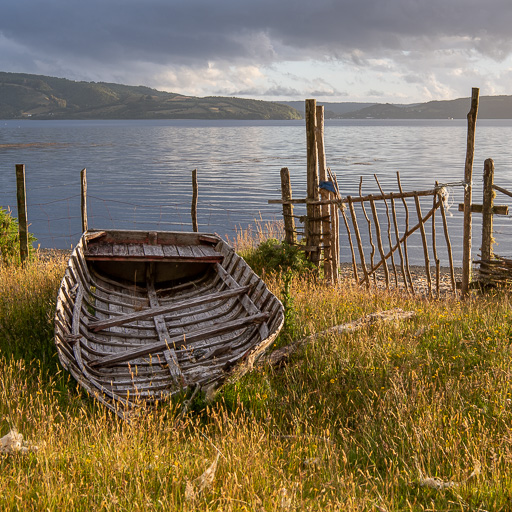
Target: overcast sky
[(399, 51)]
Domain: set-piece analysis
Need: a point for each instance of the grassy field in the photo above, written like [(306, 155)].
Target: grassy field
[(411, 415)]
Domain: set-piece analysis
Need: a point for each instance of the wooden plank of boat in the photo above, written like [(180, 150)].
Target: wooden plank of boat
[(161, 310), (192, 336), (153, 251), (148, 252), (248, 304), (161, 329)]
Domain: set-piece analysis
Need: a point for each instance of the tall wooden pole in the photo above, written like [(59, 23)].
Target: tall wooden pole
[(286, 194), (22, 211), (325, 209), (313, 230), (195, 194), (486, 252), (468, 190), (83, 179)]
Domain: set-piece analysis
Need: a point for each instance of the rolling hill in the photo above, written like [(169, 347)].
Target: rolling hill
[(44, 97), (490, 107)]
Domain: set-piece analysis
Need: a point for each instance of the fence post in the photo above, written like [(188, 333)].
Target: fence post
[(486, 252), (468, 189), (22, 211), (193, 211), (313, 226), (325, 209), (286, 195), (83, 179)]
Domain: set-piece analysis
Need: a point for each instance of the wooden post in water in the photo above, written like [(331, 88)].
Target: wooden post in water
[(83, 179), (286, 194), (468, 190), (313, 225), (486, 252), (195, 194), (22, 211)]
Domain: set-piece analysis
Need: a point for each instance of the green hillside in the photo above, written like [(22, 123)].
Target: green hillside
[(43, 97), (490, 107)]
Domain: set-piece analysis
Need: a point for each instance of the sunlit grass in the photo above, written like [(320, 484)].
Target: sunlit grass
[(351, 422)]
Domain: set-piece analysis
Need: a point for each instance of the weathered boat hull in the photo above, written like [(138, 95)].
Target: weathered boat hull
[(143, 315)]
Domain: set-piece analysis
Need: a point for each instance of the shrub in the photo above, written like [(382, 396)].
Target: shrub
[(9, 238), (274, 256)]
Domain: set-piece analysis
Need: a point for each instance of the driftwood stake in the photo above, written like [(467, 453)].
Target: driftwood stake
[(406, 254), (286, 194), (389, 231), (83, 181), (335, 229), (195, 194), (486, 251), (368, 221), (379, 241), (397, 236), (359, 241), (424, 241), (349, 234), (434, 249), (22, 211), (402, 240), (468, 189), (448, 244)]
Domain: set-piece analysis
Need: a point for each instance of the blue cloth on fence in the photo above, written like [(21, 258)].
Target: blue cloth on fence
[(328, 185)]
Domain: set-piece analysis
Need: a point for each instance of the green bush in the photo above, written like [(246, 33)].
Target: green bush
[(274, 256), (9, 238)]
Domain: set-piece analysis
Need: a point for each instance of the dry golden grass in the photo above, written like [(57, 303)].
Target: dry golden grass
[(413, 415)]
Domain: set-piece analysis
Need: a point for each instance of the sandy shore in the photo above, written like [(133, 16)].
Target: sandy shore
[(418, 276)]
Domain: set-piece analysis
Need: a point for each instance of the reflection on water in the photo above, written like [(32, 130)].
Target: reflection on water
[(139, 172)]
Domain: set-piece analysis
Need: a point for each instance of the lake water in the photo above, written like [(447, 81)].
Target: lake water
[(139, 172)]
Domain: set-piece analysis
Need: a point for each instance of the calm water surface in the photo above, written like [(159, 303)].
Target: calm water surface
[(139, 172)]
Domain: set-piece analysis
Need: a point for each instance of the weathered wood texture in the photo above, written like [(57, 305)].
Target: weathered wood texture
[(286, 195), (83, 197), (22, 211), (360, 198), (325, 209), (335, 228), (313, 225), (195, 194), (138, 339), (468, 190), (486, 252), (421, 223), (502, 190)]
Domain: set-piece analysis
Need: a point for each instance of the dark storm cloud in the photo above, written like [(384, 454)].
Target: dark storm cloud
[(194, 32)]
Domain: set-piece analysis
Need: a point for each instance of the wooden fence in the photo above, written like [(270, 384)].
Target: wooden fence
[(388, 247), (386, 251)]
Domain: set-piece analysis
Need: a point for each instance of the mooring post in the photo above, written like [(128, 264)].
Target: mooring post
[(193, 212), (486, 252), (468, 190), (83, 179), (22, 211), (313, 226), (286, 195)]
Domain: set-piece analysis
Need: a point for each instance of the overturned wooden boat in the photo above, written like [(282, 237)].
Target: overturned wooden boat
[(144, 315)]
